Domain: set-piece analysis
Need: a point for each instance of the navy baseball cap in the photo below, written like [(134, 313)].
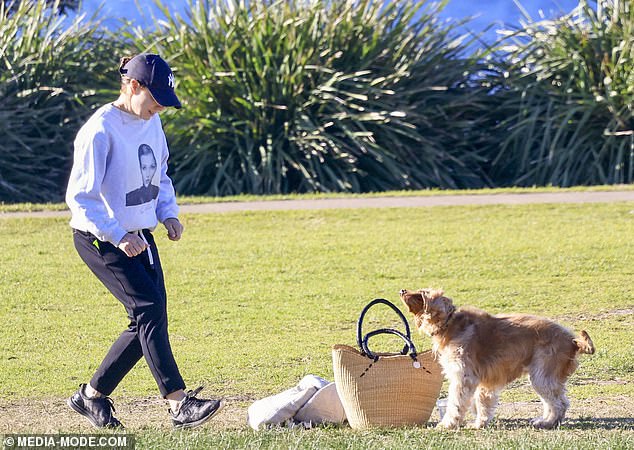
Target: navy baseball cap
[(154, 73)]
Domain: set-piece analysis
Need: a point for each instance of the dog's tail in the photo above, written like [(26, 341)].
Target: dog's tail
[(584, 343)]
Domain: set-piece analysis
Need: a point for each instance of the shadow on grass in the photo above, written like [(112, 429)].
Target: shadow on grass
[(584, 423)]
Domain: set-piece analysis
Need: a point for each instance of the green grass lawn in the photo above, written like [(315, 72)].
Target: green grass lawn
[(257, 299)]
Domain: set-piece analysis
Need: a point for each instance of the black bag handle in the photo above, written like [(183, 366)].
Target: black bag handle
[(362, 341), (409, 345)]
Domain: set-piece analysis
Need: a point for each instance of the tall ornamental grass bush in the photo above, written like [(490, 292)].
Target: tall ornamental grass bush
[(566, 108), (324, 95), (52, 70), (319, 95)]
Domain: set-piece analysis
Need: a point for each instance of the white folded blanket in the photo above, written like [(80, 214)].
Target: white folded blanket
[(313, 401)]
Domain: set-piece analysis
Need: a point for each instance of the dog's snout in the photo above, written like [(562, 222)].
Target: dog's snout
[(402, 291)]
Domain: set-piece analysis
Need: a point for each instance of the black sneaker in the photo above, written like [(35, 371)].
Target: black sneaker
[(194, 411), (97, 410)]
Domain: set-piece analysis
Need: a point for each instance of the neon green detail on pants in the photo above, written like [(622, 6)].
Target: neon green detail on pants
[(96, 243)]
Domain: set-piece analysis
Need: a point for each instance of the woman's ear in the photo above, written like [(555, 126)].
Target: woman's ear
[(135, 86)]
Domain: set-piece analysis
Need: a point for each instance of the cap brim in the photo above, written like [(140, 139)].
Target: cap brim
[(165, 97)]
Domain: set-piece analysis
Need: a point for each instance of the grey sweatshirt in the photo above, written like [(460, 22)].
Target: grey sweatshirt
[(119, 181)]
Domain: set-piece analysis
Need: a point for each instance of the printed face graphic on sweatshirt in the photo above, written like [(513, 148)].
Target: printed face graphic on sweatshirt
[(148, 167), (148, 191)]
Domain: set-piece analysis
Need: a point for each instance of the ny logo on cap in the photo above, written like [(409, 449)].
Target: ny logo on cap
[(170, 80)]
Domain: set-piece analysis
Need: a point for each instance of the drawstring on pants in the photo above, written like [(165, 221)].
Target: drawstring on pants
[(149, 251)]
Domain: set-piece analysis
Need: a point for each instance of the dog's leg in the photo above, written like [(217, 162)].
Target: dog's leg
[(461, 388), (557, 406), (553, 396), (486, 401)]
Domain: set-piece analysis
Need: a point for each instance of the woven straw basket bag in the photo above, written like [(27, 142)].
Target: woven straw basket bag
[(385, 390)]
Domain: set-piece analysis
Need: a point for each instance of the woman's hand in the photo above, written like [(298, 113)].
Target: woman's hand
[(132, 245), (174, 228)]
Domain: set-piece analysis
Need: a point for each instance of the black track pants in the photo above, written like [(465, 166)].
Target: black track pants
[(141, 289)]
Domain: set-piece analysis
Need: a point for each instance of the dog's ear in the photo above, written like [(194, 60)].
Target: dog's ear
[(436, 301), (448, 304), (431, 294)]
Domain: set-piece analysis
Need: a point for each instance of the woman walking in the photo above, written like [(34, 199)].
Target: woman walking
[(118, 192)]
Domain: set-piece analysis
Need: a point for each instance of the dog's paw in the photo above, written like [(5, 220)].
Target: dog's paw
[(543, 424), (477, 425), (448, 425)]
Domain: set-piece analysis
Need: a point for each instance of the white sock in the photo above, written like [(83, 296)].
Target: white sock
[(91, 393), (175, 405)]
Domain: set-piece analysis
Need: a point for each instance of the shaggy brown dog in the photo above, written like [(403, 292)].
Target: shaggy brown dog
[(481, 353)]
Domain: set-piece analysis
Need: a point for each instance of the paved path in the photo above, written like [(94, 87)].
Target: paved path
[(384, 202)]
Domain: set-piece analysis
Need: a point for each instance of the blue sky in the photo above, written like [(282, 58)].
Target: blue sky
[(485, 12), (501, 12)]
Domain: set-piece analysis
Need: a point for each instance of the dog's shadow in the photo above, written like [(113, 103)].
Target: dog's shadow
[(582, 423)]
